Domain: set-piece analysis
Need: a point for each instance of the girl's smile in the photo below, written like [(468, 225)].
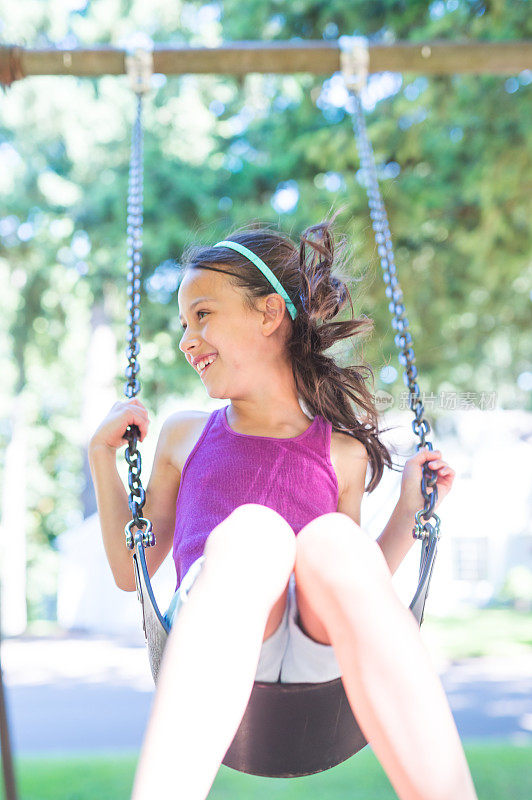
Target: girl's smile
[(206, 367), (198, 361)]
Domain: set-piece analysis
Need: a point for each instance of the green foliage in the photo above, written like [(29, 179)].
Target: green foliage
[(517, 588), (454, 155), (485, 632)]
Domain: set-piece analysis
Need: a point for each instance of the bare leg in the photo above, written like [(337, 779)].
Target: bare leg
[(391, 684), (211, 656)]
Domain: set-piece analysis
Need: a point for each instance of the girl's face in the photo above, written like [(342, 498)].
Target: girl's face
[(215, 320)]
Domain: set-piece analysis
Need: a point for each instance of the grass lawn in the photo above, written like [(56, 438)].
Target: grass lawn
[(479, 632), (500, 772)]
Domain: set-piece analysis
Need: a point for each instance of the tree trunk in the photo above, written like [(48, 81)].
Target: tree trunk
[(99, 392), (14, 525)]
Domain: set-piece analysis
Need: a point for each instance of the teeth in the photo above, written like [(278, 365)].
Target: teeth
[(202, 364)]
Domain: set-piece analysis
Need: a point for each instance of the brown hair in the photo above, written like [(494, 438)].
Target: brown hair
[(328, 389)]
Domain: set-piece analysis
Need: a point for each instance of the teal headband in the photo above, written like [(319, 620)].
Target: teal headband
[(266, 271)]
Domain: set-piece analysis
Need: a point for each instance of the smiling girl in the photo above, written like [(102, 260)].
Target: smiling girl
[(260, 502)]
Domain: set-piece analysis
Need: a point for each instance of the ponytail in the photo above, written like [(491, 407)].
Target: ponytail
[(338, 393)]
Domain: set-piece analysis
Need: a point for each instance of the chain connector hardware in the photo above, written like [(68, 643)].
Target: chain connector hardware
[(139, 62), (423, 530), (148, 539), (354, 60)]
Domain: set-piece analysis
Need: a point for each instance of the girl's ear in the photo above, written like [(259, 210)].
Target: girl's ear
[(274, 309)]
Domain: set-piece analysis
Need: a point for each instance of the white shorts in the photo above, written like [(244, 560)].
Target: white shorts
[(288, 655)]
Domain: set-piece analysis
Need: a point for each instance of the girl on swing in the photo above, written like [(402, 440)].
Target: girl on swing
[(261, 502)]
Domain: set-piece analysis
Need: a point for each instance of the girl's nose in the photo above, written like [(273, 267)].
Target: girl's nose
[(187, 341)]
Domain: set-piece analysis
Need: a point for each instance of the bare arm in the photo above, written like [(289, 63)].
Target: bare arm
[(353, 462), (396, 539), (159, 508), (113, 510)]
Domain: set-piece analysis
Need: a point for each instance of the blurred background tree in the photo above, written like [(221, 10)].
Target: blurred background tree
[(454, 157)]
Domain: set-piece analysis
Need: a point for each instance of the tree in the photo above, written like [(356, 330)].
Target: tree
[(454, 159)]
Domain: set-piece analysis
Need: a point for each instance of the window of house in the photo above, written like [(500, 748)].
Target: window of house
[(470, 558)]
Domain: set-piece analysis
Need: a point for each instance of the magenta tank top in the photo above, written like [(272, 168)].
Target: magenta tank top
[(226, 469)]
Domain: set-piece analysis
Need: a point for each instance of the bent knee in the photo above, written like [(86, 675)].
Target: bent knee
[(254, 536), (338, 550)]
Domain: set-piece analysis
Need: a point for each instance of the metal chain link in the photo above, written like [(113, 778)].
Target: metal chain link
[(139, 67), (355, 64), (403, 339), (137, 495)]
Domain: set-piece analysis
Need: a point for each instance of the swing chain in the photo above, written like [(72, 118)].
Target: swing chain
[(403, 338), (137, 495)]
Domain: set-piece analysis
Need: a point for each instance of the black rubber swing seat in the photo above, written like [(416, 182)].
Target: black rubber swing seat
[(288, 729)]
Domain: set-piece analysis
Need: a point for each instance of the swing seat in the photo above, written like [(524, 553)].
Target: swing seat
[(288, 729), (293, 729)]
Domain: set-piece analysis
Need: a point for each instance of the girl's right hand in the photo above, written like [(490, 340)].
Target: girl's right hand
[(112, 429)]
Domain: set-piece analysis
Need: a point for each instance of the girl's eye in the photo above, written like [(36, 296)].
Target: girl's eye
[(197, 312)]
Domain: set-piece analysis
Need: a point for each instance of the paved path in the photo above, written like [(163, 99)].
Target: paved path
[(94, 693)]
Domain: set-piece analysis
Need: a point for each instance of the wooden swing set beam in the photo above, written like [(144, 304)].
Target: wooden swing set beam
[(288, 57)]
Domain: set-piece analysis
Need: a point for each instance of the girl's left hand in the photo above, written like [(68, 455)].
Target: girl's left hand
[(411, 496)]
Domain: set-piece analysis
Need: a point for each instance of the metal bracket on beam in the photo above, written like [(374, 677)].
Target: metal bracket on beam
[(354, 60), (139, 62)]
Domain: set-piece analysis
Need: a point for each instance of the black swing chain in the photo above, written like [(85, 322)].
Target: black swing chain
[(137, 495), (403, 338), (355, 60)]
